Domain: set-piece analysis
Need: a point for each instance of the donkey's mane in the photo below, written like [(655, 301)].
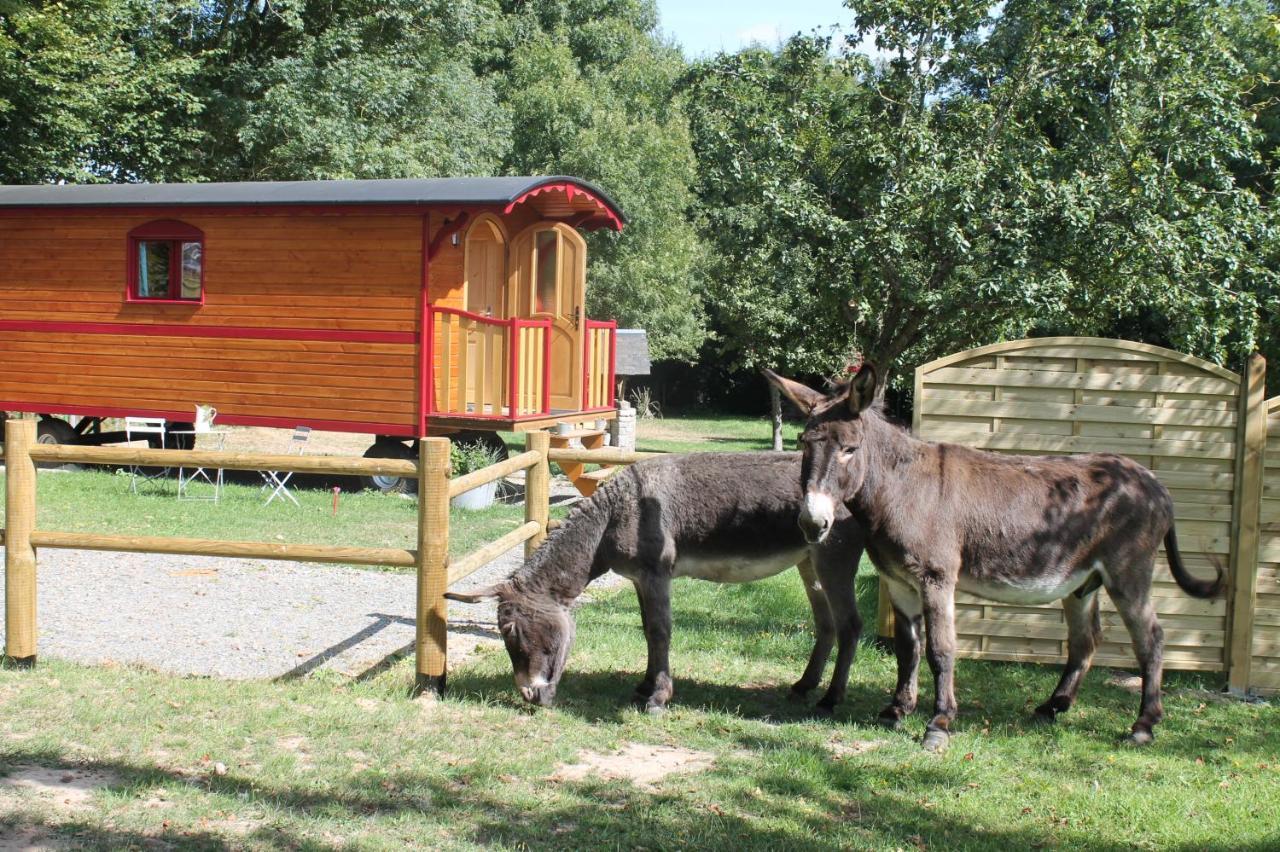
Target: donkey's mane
[(561, 566)]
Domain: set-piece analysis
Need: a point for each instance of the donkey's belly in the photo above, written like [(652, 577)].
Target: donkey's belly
[(1031, 590), (734, 568)]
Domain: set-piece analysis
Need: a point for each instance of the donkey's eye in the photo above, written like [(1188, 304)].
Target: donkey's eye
[(848, 450)]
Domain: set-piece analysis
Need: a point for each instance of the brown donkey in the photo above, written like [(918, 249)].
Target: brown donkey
[(723, 517), (1014, 529)]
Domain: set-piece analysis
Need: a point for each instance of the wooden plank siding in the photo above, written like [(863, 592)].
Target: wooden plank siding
[(1265, 669), (353, 280), (1171, 412)]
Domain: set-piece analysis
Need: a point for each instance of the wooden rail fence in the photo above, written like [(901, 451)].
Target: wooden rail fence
[(435, 570)]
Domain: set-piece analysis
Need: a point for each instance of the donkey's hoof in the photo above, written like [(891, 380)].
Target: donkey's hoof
[(936, 741), (1044, 715), (889, 720), (1138, 738), (799, 694), (656, 709), (822, 711)]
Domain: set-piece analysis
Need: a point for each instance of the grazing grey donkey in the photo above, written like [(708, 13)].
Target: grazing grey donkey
[(1015, 529), (724, 517)]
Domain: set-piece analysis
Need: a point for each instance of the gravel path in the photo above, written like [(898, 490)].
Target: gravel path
[(237, 618)]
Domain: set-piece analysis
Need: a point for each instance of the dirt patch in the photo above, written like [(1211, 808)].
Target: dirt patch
[(298, 746), (642, 765), (66, 789), (841, 749), (1127, 682), (27, 839)]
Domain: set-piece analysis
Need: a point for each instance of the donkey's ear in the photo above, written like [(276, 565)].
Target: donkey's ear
[(488, 593), (803, 397), (862, 389)]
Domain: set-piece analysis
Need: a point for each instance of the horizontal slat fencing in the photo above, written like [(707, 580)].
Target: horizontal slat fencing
[(1265, 671), (1056, 396)]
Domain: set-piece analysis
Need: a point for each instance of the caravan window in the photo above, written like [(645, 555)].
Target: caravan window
[(166, 263)]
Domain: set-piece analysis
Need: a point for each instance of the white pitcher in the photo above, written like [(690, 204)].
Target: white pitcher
[(204, 417)]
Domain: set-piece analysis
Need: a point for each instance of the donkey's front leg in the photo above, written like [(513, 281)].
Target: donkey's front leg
[(938, 595), (655, 612)]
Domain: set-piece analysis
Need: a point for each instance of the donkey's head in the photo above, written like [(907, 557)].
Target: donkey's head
[(538, 632), (834, 461)]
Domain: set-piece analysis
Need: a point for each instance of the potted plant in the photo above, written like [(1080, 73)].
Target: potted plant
[(467, 457)]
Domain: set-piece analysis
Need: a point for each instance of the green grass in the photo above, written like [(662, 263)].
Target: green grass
[(694, 434), (326, 763)]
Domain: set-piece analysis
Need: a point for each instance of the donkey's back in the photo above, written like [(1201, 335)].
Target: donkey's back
[(725, 517)]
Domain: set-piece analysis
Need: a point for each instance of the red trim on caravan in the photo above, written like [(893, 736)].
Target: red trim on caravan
[(398, 429), (221, 331)]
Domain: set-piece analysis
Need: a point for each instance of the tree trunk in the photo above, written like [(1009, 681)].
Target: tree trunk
[(775, 408)]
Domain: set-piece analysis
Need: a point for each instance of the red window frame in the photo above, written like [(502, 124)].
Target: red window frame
[(176, 233)]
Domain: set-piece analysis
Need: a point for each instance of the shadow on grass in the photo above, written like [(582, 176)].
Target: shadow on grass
[(831, 806)]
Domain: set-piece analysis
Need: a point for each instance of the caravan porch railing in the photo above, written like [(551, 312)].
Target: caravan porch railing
[(487, 368)]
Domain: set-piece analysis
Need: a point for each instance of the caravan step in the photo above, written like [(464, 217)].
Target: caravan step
[(576, 433)]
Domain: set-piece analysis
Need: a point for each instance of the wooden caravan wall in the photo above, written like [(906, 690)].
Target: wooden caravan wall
[(1265, 669), (1054, 396), (353, 279)]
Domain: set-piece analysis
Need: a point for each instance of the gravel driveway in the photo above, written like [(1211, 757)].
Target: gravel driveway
[(239, 618)]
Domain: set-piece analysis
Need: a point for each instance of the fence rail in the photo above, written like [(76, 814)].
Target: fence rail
[(435, 570)]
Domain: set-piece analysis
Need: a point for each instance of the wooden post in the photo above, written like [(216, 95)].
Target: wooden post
[(431, 641), (537, 488), (19, 555), (1246, 510)]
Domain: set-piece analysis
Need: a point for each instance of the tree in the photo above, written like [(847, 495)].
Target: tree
[(94, 90), (1058, 163), (591, 89)]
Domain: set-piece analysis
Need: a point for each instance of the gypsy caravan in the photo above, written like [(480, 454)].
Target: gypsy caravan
[(395, 308)]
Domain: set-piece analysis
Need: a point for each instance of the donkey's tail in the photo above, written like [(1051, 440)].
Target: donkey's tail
[(1192, 585)]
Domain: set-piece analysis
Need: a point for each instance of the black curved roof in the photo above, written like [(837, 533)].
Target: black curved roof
[(420, 191)]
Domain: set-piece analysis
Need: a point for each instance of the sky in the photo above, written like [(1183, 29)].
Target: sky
[(705, 27)]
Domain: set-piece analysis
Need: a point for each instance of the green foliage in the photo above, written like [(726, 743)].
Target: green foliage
[(95, 90), (1061, 165), (465, 457), (591, 93)]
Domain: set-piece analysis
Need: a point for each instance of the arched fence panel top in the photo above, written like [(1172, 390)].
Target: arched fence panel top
[(1091, 348), (1174, 413)]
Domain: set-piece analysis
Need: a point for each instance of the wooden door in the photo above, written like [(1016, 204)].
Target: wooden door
[(550, 276), (485, 283)]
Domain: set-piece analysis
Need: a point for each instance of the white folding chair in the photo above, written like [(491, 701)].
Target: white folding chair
[(277, 481), (138, 429)]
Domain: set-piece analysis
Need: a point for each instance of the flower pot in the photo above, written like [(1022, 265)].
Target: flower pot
[(480, 497)]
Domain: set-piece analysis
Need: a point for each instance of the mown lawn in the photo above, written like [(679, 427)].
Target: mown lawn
[(330, 763), (324, 763)]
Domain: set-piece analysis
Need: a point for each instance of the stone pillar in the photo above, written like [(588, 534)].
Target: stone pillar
[(622, 429)]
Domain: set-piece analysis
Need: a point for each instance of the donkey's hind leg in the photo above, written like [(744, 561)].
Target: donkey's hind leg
[(837, 575), (1084, 631), (1134, 604), (906, 645), (824, 632)]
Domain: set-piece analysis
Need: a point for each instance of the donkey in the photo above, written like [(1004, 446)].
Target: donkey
[(724, 517), (1014, 529)]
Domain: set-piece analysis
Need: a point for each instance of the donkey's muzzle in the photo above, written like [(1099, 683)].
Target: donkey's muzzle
[(543, 696), (817, 514)]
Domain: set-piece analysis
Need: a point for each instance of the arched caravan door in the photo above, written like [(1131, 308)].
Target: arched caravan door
[(549, 279), (485, 285)]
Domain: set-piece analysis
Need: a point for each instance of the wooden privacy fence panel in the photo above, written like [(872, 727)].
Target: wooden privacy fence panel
[(1265, 670), (1174, 413)]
